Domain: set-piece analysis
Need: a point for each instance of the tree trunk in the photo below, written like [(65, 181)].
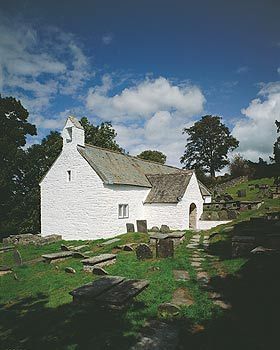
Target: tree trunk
[(212, 172)]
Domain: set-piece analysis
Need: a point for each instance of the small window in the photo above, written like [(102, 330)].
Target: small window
[(69, 135), (123, 211), (69, 175)]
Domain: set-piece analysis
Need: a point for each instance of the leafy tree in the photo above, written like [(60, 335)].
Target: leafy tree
[(208, 144), (239, 166), (154, 156), (102, 135), (38, 160), (276, 152), (14, 128)]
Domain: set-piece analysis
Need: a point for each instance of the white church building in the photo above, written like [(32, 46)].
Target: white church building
[(91, 192)]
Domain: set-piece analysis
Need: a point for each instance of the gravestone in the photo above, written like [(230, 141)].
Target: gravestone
[(154, 229), (17, 257), (164, 229), (142, 226), (130, 227), (70, 270), (214, 216), (165, 248), (241, 193), (143, 251)]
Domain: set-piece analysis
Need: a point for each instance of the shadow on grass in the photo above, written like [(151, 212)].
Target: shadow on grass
[(29, 324), (253, 321)]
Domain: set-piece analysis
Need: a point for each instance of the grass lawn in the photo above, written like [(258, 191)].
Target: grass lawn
[(36, 310)]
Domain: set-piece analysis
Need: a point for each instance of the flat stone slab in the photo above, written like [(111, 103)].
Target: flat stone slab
[(98, 259), (176, 234), (195, 264), (197, 259), (93, 289), (215, 295), (6, 248), (181, 275), (57, 256), (114, 240), (203, 277), (170, 309), (192, 246), (182, 297), (158, 235), (123, 292)]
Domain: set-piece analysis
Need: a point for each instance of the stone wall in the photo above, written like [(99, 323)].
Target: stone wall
[(221, 188)]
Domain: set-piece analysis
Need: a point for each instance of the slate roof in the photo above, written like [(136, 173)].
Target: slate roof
[(168, 188), (122, 169), (75, 122), (203, 189)]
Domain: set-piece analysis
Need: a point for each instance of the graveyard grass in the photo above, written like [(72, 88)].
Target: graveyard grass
[(36, 309)]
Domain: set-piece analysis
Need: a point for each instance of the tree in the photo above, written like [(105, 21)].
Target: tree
[(154, 156), (239, 166), (14, 128), (276, 152), (208, 144), (102, 135)]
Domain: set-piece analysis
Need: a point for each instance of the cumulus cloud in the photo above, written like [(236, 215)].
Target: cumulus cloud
[(148, 115), (256, 131), (39, 65)]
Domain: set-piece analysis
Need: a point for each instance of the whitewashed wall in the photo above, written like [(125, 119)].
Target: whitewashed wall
[(85, 208), (176, 216)]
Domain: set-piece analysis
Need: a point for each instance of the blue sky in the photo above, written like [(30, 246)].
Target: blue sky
[(151, 67)]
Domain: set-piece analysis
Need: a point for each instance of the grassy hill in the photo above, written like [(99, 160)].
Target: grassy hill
[(36, 309)]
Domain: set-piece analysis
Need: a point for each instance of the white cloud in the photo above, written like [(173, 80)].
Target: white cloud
[(256, 131), (107, 38), (37, 66), (278, 70), (145, 99), (148, 115)]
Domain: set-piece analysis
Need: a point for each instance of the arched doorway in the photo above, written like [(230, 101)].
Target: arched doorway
[(192, 216)]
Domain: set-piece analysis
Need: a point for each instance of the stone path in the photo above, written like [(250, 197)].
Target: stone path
[(197, 257)]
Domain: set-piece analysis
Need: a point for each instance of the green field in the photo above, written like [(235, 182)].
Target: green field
[(36, 310)]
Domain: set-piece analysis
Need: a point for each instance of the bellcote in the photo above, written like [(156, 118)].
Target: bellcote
[(73, 133)]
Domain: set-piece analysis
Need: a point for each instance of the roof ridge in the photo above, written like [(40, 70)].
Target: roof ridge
[(134, 157)]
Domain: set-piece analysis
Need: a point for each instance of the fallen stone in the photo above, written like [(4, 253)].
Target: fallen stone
[(80, 247), (197, 259), (6, 248), (143, 251), (182, 297), (70, 270), (215, 295), (97, 270), (114, 240), (168, 309), (195, 264), (79, 255), (192, 245), (57, 256), (181, 275), (98, 259), (164, 229)]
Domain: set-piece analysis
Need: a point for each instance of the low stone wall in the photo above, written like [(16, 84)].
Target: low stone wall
[(223, 186), (29, 238)]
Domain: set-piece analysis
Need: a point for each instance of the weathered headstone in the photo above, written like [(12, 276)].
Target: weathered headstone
[(165, 248), (241, 193), (130, 227), (164, 229), (154, 229), (143, 251), (17, 257), (142, 226)]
